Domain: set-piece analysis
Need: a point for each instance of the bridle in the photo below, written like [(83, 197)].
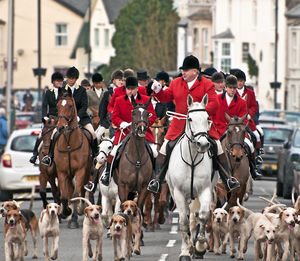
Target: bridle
[(68, 119), (135, 125), (105, 154), (231, 145)]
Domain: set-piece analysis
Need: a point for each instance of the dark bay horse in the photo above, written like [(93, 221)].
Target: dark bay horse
[(72, 154), (48, 174), (234, 149), (135, 168)]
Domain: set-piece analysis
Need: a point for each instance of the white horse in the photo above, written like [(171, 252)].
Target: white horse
[(189, 175), (109, 194)]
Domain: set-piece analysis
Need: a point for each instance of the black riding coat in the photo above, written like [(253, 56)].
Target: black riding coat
[(81, 101), (49, 104)]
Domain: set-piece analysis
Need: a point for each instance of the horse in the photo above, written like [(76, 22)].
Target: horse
[(234, 149), (189, 176), (158, 129), (72, 155), (95, 118), (47, 174), (109, 194), (135, 168)]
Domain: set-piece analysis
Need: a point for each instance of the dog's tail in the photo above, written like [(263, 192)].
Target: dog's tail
[(32, 198), (84, 199), (243, 208), (274, 195), (293, 196), (272, 203), (225, 205)]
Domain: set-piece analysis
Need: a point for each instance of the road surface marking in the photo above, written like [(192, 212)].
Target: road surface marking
[(171, 243), (174, 230), (163, 257)]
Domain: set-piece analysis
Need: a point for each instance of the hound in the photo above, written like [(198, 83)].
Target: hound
[(49, 227), (131, 209), (295, 240), (31, 222), (92, 230), (15, 235), (220, 229), (121, 232)]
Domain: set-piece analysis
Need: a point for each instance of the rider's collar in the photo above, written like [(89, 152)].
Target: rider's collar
[(224, 94), (138, 96)]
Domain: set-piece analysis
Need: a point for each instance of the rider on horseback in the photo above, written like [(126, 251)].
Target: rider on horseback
[(234, 105), (81, 101), (197, 86), (121, 117), (48, 107)]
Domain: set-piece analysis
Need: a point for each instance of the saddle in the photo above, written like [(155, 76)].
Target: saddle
[(88, 135)]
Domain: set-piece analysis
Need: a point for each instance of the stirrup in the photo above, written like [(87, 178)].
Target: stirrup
[(258, 160), (236, 185), (154, 186), (33, 159), (46, 160), (261, 151), (89, 187)]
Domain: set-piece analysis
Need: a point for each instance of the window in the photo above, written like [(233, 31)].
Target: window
[(245, 52), (23, 143), (294, 49), (225, 64), (196, 37), (61, 35), (225, 48), (294, 94), (96, 37), (106, 39), (205, 50), (225, 57), (254, 13)]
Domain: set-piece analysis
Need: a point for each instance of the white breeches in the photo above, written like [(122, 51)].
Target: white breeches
[(246, 140), (257, 136), (152, 146), (90, 128), (260, 130)]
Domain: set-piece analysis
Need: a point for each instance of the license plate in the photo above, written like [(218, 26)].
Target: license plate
[(32, 178), (269, 166)]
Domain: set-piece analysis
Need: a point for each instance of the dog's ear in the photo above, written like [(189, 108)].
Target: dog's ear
[(22, 218), (242, 213), (111, 222), (99, 208), (122, 206), (86, 211), (262, 226), (280, 214), (58, 210)]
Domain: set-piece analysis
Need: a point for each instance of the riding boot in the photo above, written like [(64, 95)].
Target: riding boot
[(160, 171), (35, 150), (253, 170), (106, 175), (47, 160), (229, 182), (95, 149)]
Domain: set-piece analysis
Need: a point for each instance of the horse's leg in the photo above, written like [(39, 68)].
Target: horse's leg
[(43, 186), (123, 192), (183, 209), (205, 199), (54, 189), (147, 212), (66, 191), (162, 203)]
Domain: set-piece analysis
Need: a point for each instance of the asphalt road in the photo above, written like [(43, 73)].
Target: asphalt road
[(161, 245)]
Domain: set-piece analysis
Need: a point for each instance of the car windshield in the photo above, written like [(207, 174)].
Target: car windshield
[(292, 117), (23, 143), (296, 142), (275, 135)]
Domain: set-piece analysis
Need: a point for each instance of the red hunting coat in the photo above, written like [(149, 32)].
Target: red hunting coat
[(237, 107), (119, 91), (122, 112), (178, 92), (251, 104)]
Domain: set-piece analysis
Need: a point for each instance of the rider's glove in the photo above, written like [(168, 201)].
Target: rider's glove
[(45, 118), (78, 119), (156, 86), (124, 125)]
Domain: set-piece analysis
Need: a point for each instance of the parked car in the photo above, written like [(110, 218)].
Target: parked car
[(274, 137), (271, 120), (17, 174), (24, 119), (292, 117), (288, 158), (296, 182)]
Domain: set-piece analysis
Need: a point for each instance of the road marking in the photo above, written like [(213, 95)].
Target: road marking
[(163, 257), (174, 230), (175, 220), (171, 243)]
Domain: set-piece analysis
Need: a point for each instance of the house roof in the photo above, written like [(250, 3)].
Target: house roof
[(183, 23), (294, 12), (77, 6), (113, 8), (224, 35), (291, 3), (201, 14)]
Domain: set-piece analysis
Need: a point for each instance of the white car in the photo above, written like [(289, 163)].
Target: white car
[(17, 174)]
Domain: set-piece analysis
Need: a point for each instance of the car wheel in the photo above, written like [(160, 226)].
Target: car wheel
[(279, 189), (6, 195)]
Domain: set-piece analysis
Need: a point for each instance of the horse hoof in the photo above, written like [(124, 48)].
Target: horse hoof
[(137, 252), (197, 256), (161, 220), (201, 246), (66, 212), (142, 242), (73, 225), (157, 227), (185, 258)]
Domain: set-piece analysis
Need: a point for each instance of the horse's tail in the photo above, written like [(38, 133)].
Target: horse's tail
[(84, 199), (243, 208)]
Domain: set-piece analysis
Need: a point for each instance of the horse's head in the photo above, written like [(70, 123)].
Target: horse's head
[(105, 147), (140, 118), (198, 125), (49, 123), (67, 113), (235, 136)]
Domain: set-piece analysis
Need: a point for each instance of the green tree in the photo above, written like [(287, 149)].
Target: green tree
[(145, 37), (252, 66)]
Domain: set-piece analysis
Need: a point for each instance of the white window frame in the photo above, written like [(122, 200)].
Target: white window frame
[(106, 37), (294, 95), (225, 58), (196, 37), (294, 52), (61, 35), (97, 37), (205, 45), (245, 52)]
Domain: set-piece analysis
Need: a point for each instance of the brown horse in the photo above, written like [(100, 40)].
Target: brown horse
[(47, 174), (72, 155), (234, 148), (135, 168), (160, 199), (95, 119)]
